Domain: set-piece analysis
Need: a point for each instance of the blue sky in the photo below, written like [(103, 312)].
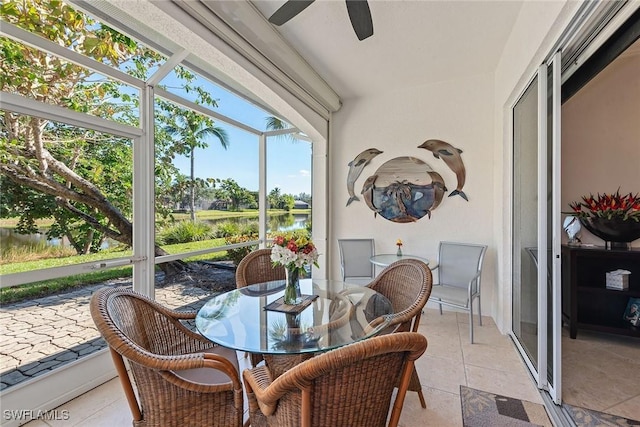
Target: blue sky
[(288, 163)]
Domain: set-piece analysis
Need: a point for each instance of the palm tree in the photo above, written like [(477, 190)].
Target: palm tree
[(191, 130), (274, 123)]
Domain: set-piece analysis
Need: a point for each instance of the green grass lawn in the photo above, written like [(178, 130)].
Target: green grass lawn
[(49, 287)]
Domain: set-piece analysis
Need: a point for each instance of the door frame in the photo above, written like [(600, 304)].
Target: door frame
[(539, 370)]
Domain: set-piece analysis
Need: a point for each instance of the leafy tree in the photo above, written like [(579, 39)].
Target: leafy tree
[(232, 191), (277, 200), (288, 202), (177, 192), (69, 165), (190, 131), (274, 197), (79, 177)]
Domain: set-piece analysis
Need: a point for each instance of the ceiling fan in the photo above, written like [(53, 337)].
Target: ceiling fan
[(358, 10)]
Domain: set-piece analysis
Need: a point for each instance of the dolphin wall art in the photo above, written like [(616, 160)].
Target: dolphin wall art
[(451, 156), (355, 169), (367, 193), (403, 190)]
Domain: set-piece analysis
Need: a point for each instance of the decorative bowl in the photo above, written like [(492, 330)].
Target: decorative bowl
[(614, 230)]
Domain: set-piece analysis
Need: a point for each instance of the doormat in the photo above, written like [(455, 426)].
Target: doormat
[(584, 417), (481, 408)]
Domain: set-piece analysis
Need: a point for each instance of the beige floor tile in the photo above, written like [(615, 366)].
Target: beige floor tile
[(629, 350), (440, 373), (36, 423), (444, 347), (585, 377), (116, 414), (487, 335), (100, 397), (443, 410), (463, 317), (628, 409), (501, 358), (516, 385), (447, 322), (442, 342)]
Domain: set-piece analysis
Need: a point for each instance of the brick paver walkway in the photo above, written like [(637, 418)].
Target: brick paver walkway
[(42, 334)]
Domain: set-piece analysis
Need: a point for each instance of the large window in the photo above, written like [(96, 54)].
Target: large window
[(88, 115)]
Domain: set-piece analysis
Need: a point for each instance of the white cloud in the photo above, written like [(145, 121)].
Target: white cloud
[(304, 172)]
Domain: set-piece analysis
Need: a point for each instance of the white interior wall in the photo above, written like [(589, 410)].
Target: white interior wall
[(456, 111), (601, 136)]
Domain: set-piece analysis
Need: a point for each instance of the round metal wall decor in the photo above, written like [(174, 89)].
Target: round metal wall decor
[(404, 189)]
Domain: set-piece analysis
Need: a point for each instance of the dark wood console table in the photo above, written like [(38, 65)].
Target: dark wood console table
[(586, 302)]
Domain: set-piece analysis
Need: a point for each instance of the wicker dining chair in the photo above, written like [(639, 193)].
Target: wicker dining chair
[(181, 378), (257, 267), (350, 386), (407, 284)]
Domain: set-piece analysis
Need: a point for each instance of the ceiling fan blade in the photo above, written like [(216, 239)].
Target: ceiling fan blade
[(288, 10), (360, 16)]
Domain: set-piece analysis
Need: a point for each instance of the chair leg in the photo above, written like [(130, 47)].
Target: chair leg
[(440, 309), (471, 321), (422, 401), (414, 385), (479, 310)]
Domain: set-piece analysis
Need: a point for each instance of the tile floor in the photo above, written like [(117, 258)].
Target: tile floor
[(491, 364), (613, 366)]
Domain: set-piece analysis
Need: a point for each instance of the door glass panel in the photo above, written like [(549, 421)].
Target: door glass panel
[(525, 221), (549, 222)]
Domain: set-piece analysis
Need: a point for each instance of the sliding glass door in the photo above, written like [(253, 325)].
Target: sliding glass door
[(536, 309)]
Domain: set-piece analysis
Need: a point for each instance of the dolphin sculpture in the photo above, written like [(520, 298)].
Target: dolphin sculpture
[(439, 189), (451, 156), (355, 169), (367, 193)]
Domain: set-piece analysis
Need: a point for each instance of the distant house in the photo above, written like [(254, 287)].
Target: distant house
[(221, 205), (299, 204)]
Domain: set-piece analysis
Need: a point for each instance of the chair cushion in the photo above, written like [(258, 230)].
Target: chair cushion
[(452, 294), (208, 375)]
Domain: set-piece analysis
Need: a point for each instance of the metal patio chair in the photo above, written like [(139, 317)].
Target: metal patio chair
[(459, 272)]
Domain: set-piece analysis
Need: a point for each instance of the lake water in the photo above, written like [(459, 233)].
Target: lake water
[(282, 222)]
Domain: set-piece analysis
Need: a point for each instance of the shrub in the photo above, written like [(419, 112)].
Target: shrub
[(185, 232), (250, 229), (226, 229), (237, 254)]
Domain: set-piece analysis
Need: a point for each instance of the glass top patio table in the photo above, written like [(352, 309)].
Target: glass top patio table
[(384, 260), (342, 314)]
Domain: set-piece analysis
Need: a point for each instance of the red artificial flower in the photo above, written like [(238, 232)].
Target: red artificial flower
[(292, 246), (608, 206)]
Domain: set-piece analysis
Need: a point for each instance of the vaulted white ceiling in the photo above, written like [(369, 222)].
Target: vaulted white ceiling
[(414, 42)]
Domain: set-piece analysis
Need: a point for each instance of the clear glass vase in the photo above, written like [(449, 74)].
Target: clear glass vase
[(292, 295)]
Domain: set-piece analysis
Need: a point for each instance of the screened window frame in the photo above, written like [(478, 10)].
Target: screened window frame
[(143, 259)]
